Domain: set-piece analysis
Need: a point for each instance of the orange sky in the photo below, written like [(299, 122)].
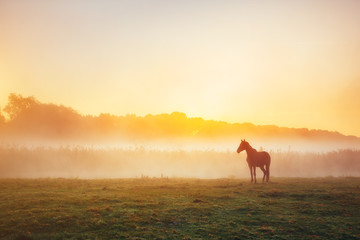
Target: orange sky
[(289, 63)]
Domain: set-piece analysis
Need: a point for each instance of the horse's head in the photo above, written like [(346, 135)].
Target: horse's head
[(243, 145)]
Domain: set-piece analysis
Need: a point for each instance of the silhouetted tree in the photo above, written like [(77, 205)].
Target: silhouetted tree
[(35, 119), (26, 116), (17, 104)]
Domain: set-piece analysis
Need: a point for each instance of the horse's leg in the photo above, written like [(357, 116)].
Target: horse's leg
[(267, 172), (264, 171), (255, 174), (251, 174)]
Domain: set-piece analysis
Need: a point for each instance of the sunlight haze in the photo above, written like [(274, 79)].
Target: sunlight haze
[(287, 63)]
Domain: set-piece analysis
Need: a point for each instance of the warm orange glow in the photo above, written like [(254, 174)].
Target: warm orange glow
[(291, 64)]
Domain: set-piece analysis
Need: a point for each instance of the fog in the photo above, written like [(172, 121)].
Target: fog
[(39, 140), (201, 160)]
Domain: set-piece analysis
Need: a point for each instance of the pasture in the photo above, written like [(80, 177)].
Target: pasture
[(161, 208)]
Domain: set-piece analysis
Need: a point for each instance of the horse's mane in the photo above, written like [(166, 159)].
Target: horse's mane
[(251, 148)]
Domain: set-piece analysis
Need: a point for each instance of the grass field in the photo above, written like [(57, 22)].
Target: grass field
[(286, 208)]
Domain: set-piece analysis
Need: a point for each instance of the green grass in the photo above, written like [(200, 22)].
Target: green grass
[(286, 208)]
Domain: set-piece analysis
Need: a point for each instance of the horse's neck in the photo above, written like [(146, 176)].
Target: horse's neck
[(250, 150)]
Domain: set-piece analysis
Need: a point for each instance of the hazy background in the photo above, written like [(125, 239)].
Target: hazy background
[(286, 63), (133, 87), (137, 162)]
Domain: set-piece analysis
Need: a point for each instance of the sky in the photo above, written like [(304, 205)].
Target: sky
[(288, 63)]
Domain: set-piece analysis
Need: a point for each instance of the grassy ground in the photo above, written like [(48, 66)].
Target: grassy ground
[(322, 208)]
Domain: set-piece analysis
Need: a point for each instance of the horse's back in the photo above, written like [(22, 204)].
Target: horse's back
[(263, 158)]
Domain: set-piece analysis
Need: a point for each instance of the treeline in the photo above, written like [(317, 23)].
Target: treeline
[(81, 162), (26, 117)]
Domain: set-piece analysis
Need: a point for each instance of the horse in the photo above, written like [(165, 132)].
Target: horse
[(256, 159)]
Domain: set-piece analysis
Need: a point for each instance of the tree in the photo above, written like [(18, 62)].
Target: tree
[(2, 118), (17, 104)]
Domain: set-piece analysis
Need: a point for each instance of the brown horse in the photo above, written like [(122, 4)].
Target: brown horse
[(256, 159)]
